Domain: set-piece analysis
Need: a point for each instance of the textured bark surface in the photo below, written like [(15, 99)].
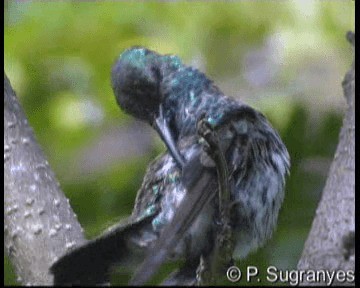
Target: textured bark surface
[(39, 224), (331, 242)]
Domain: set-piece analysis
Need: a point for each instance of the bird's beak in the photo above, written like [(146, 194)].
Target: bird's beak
[(162, 128)]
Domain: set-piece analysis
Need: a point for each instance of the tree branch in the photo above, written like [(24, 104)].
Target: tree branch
[(331, 242), (39, 224)]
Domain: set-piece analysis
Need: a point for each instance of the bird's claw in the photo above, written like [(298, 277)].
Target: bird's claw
[(206, 131)]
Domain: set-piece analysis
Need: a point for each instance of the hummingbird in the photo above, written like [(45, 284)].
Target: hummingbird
[(176, 207)]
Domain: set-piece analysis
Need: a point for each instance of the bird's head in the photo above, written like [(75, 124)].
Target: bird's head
[(136, 79)]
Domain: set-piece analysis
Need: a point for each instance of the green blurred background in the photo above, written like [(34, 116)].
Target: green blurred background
[(286, 59)]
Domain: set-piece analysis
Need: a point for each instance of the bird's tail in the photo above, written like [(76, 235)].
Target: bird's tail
[(90, 264)]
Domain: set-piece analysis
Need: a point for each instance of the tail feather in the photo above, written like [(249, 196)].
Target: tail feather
[(90, 264)]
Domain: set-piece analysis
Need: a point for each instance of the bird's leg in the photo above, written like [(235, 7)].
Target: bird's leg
[(221, 256)]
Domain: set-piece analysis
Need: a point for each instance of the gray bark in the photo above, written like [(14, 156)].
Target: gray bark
[(331, 243), (39, 224)]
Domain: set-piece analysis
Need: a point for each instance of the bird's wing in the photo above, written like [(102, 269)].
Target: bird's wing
[(201, 185)]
